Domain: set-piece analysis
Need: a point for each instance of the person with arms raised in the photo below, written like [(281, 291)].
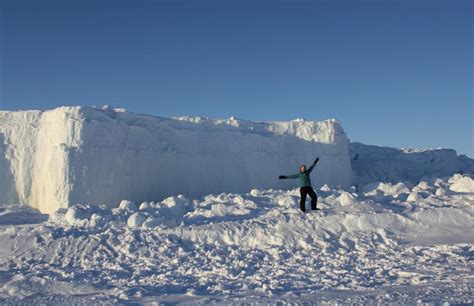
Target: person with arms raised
[(305, 186)]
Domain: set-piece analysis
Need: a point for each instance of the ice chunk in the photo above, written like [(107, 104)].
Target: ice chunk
[(459, 183), (346, 199), (76, 214), (414, 197), (136, 220), (128, 205)]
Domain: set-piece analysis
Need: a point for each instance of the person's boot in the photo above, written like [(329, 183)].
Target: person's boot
[(303, 207)]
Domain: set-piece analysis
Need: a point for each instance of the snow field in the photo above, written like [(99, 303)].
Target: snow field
[(383, 242)]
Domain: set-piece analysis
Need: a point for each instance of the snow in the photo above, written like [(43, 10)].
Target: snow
[(127, 205), (346, 199), (375, 245), (115, 208), (53, 159), (136, 220), (460, 183), (382, 164)]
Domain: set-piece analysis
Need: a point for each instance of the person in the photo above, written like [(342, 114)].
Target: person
[(305, 186)]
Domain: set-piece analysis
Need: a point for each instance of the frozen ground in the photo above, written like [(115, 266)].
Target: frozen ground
[(384, 242)]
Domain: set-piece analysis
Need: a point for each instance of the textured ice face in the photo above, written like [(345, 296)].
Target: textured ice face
[(390, 165)]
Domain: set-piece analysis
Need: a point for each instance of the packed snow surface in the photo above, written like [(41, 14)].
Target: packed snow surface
[(53, 159), (384, 242)]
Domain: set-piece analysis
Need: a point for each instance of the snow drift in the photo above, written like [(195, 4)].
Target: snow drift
[(382, 164), (52, 159), (383, 244)]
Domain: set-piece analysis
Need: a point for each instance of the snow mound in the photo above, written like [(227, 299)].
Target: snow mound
[(390, 165), (386, 189), (168, 212), (53, 159), (346, 199), (77, 214)]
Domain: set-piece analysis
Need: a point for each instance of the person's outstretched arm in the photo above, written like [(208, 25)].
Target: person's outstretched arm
[(282, 177), (314, 164)]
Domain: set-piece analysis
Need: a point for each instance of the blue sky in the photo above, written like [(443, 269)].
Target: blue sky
[(395, 73)]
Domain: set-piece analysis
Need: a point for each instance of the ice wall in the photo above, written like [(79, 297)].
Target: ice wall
[(80, 154), (7, 189), (382, 164), (34, 151)]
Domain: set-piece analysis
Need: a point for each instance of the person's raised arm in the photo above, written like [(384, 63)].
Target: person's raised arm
[(314, 164)]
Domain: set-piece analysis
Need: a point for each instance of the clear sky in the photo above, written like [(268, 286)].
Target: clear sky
[(395, 73)]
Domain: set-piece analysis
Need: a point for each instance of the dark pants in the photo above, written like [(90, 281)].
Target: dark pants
[(304, 191)]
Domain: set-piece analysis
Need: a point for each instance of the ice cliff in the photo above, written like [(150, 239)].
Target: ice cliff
[(383, 164), (56, 158)]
